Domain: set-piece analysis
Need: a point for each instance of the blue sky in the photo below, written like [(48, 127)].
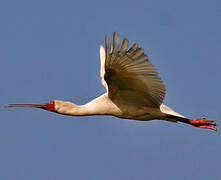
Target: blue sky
[(50, 50)]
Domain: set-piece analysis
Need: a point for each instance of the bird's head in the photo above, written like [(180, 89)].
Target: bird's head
[(49, 106), (58, 106)]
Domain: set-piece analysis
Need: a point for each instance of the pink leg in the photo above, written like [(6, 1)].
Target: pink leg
[(203, 123)]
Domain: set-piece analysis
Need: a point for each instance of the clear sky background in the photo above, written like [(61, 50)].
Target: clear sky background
[(49, 49)]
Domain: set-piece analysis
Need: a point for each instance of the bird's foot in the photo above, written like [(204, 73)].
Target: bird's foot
[(203, 123)]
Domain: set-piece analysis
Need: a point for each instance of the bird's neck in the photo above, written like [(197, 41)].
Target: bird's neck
[(98, 106)]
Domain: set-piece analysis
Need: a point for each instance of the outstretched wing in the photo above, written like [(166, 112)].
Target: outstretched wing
[(128, 75), (102, 66)]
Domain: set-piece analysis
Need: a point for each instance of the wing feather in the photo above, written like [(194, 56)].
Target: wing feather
[(116, 43), (102, 63), (129, 76), (124, 45)]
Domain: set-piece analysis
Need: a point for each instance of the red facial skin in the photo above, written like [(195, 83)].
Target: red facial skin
[(50, 106)]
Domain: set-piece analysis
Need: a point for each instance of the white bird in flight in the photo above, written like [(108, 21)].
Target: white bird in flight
[(134, 89)]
